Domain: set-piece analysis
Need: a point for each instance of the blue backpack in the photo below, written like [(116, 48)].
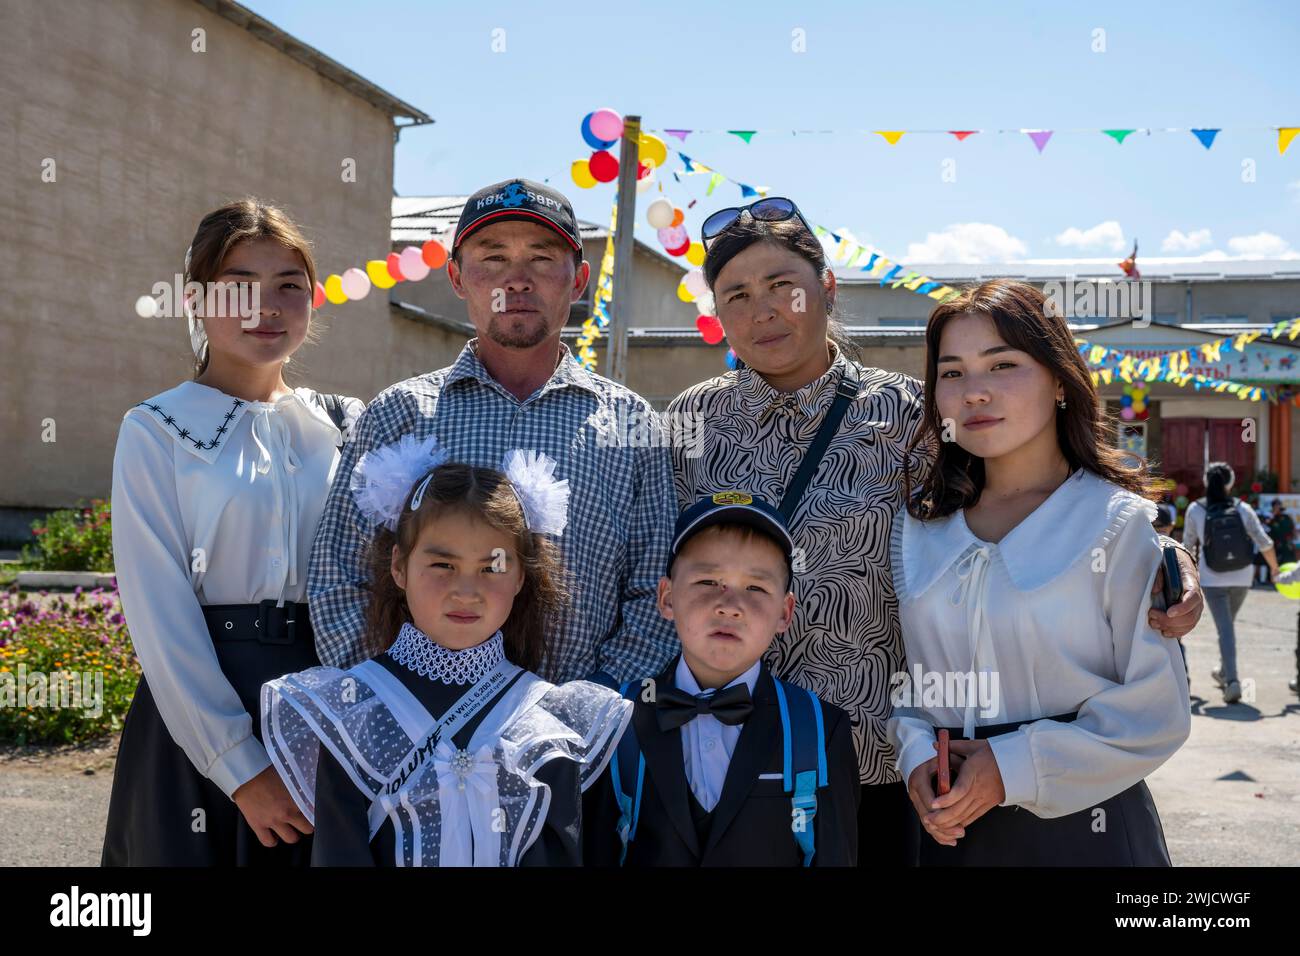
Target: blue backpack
[(803, 764)]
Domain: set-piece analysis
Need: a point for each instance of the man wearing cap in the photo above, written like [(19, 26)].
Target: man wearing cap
[(517, 262)]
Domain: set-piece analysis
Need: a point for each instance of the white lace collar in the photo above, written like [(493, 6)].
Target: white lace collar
[(418, 652)]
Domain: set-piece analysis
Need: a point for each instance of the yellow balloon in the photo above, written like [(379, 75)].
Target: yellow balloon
[(695, 254), (651, 148), (334, 290), (684, 293), (377, 269), (581, 173)]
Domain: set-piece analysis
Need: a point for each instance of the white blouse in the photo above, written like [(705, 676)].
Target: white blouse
[(215, 501), (1050, 621)]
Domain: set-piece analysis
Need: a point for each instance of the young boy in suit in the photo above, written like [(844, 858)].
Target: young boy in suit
[(723, 765)]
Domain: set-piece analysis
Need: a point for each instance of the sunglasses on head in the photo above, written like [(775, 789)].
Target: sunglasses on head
[(774, 209)]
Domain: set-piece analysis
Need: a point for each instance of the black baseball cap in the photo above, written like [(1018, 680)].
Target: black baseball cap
[(519, 199), (731, 507)]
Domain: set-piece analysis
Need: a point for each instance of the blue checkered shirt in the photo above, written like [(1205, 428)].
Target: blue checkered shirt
[(622, 507)]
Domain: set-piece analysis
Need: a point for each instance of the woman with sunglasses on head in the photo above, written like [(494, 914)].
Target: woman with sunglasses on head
[(802, 422)]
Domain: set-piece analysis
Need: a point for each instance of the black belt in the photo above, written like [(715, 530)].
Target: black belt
[(264, 622), (994, 730)]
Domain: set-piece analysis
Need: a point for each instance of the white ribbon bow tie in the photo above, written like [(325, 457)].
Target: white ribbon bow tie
[(467, 794)]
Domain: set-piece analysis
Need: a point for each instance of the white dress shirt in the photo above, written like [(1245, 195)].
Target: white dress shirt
[(1057, 612), (215, 501), (708, 743), (1194, 541)]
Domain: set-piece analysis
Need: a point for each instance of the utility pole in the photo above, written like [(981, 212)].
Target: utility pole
[(621, 307)]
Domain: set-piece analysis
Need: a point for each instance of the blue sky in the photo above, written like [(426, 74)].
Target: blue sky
[(915, 65)]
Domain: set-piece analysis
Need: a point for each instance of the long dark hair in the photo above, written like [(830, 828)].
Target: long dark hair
[(1025, 321), (484, 494), (1218, 479), (791, 234)]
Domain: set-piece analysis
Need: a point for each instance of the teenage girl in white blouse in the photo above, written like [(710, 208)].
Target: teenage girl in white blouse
[(1023, 565), (218, 485)]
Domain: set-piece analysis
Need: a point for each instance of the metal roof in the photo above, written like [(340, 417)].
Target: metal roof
[(1157, 269)]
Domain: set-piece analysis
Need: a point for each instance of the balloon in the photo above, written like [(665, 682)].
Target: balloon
[(1181, 501), (1126, 401), (394, 267), (679, 250), (651, 148), (606, 124), (603, 166), (1127, 414), (659, 213), (704, 304), (1291, 591), (696, 282), (683, 293), (318, 296), (673, 237), (434, 254), (412, 263), (334, 290), (710, 329), (732, 361), (594, 141), (377, 269), (695, 254), (678, 218), (355, 284), (643, 185), (146, 307), (581, 173)]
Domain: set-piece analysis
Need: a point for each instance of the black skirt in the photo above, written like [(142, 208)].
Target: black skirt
[(154, 816), (1126, 833)]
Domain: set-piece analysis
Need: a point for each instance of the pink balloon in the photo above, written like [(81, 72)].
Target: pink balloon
[(411, 262), (355, 283), (606, 124), (671, 237), (1127, 414)]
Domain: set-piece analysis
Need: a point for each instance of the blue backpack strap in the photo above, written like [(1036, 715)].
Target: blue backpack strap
[(803, 767), (628, 767)]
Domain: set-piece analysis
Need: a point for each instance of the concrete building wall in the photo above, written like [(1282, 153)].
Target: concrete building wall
[(146, 136)]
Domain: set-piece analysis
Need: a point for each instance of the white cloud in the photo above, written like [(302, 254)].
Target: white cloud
[(1179, 241), (1104, 235), (968, 242), (1261, 245)]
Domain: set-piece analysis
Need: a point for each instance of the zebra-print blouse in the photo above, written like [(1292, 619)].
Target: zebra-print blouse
[(845, 641)]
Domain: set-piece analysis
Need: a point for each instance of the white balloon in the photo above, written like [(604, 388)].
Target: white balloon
[(643, 184), (146, 307), (695, 283), (705, 304), (660, 213), (412, 264), (355, 283)]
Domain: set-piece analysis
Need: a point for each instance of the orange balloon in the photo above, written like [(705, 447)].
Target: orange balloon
[(434, 254), (678, 216)]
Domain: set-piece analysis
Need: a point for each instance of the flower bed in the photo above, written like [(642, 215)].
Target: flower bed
[(67, 668)]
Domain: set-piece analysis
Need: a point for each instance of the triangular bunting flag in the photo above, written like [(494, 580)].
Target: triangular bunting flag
[(1206, 136), (892, 136), (1117, 134), (713, 182), (963, 133), (1284, 136), (747, 191), (679, 133), (745, 134), (1039, 136)]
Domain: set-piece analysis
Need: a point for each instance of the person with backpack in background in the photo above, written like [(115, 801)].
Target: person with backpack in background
[(1224, 531)]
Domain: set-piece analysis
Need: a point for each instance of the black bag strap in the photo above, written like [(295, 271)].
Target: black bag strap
[(845, 392), (333, 405)]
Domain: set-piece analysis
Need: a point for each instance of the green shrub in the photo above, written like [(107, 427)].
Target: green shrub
[(73, 539)]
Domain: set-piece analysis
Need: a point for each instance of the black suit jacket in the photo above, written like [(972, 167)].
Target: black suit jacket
[(751, 823)]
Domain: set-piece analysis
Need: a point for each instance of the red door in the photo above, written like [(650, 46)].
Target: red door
[(1228, 443), (1183, 453)]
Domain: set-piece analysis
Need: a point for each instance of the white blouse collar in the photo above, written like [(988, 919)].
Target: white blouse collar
[(200, 418), (1084, 513), (418, 652)]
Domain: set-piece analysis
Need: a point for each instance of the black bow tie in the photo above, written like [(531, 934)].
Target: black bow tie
[(675, 707)]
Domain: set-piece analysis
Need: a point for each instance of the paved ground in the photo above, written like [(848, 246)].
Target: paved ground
[(1230, 797)]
